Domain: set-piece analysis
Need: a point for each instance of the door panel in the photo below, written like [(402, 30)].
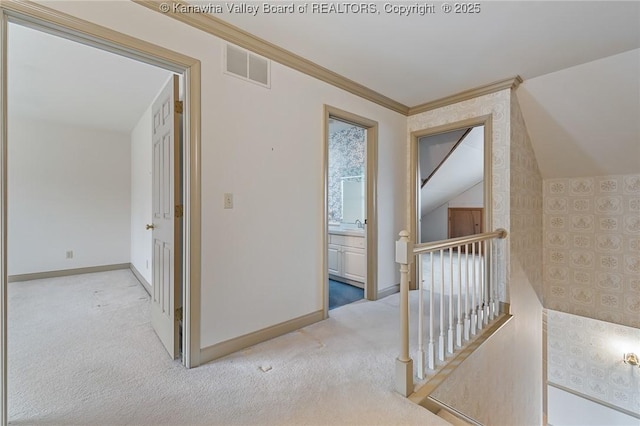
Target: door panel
[(354, 264), (464, 221), (166, 278)]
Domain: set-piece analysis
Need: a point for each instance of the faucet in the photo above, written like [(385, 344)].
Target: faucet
[(359, 224)]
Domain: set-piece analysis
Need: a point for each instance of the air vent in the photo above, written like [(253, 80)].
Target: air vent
[(247, 65)]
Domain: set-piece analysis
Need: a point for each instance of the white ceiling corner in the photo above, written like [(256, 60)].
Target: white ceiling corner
[(54, 79)]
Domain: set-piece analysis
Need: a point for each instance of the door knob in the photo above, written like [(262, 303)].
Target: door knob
[(149, 226)]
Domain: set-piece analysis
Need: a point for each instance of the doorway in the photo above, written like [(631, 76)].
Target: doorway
[(450, 184), (349, 228), (56, 23)]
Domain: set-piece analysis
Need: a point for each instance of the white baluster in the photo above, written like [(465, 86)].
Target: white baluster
[(421, 354), (494, 278), (450, 331), (441, 343), (480, 286), (431, 350), (485, 283), (467, 320), (459, 326), (474, 309)]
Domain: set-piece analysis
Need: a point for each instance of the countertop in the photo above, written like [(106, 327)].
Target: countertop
[(346, 229)]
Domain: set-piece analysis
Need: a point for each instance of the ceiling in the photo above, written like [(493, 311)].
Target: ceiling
[(415, 59), (58, 80), (585, 120), (580, 61)]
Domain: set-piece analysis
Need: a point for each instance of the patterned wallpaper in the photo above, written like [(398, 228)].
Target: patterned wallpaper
[(526, 202), (346, 158), (592, 247), (585, 355), (497, 105)]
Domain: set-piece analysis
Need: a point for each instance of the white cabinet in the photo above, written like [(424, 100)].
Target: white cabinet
[(346, 257), (335, 258)]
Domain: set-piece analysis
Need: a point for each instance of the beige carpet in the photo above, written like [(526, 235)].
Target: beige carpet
[(82, 351)]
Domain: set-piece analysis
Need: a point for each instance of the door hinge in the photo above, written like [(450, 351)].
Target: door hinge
[(178, 107), (179, 314), (179, 210)]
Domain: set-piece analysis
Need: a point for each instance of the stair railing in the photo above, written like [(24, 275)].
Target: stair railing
[(459, 276)]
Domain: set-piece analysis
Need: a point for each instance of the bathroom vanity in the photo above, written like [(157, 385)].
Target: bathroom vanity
[(347, 255)]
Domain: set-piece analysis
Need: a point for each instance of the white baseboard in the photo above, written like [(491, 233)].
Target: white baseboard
[(67, 272), (145, 283), (236, 344), (388, 291)]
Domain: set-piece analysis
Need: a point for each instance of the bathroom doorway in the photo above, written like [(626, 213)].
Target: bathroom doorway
[(350, 144)]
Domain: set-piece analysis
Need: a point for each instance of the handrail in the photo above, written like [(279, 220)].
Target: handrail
[(464, 135), (459, 241)]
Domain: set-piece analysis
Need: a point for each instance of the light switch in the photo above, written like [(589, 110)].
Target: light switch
[(228, 200)]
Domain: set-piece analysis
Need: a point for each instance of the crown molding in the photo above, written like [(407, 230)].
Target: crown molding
[(509, 83), (219, 28)]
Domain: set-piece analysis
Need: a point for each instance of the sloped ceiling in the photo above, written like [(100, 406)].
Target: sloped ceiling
[(585, 120), (58, 80), (462, 170), (433, 149)]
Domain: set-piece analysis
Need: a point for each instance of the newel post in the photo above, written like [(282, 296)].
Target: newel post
[(404, 363)]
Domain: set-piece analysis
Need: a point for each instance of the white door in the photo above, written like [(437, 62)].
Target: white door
[(167, 256)]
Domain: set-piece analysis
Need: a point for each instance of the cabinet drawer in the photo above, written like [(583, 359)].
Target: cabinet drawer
[(347, 241)]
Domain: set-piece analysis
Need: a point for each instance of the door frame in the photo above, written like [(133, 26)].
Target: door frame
[(371, 214), (61, 24), (414, 176)]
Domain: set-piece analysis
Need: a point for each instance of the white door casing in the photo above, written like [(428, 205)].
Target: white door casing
[(166, 195)]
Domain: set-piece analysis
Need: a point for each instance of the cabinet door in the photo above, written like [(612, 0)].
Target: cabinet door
[(353, 263), (335, 260)]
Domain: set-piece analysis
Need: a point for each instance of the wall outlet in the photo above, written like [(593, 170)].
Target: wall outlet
[(228, 200), (70, 254), (147, 263)]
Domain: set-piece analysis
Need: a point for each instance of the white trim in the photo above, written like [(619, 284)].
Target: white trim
[(389, 291), (66, 272), (236, 344), (145, 284)]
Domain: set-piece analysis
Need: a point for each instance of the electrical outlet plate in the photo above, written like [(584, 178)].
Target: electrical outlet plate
[(228, 200), (70, 254)]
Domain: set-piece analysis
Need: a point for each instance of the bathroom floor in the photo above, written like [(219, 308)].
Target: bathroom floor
[(341, 294)]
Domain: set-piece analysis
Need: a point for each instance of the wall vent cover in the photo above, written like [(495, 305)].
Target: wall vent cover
[(247, 65)]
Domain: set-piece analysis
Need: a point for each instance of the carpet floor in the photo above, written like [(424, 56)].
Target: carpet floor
[(82, 352), (341, 294)]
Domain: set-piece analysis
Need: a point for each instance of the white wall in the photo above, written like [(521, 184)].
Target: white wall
[(141, 182), (585, 355), (472, 197), (262, 260), (567, 409), (435, 224), (68, 190)]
